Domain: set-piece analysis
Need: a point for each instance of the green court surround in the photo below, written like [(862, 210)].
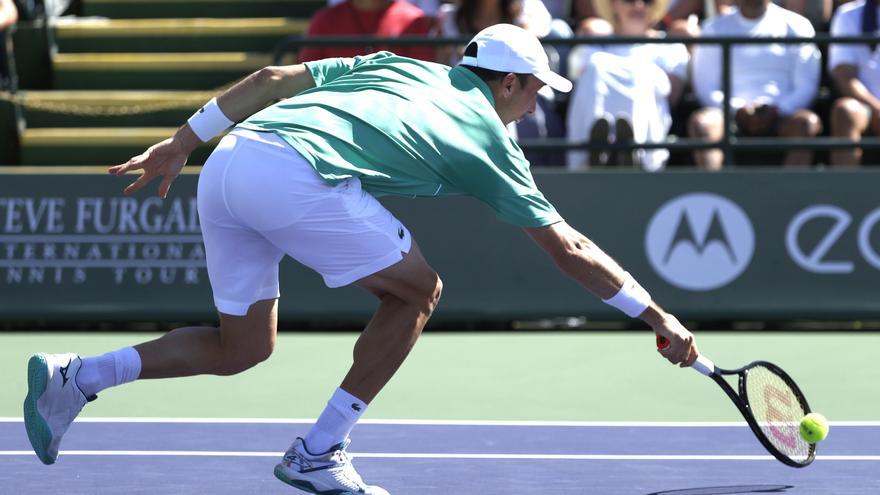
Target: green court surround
[(567, 376)]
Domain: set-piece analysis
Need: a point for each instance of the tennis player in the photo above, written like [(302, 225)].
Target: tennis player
[(298, 175)]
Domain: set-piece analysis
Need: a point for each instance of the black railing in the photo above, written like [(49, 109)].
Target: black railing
[(729, 141)]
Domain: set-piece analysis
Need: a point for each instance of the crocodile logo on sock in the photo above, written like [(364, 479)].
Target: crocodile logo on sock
[(356, 406), (63, 371)]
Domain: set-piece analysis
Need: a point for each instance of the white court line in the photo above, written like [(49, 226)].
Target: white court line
[(438, 422), (395, 455)]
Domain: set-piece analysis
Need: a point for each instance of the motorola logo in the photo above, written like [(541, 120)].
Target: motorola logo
[(700, 241)]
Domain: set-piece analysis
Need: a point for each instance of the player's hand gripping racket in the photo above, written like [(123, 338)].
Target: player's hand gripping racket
[(771, 403)]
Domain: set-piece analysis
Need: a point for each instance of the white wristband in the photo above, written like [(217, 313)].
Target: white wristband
[(632, 298), (209, 121)]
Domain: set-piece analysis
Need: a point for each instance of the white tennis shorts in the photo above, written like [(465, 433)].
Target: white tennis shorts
[(259, 199)]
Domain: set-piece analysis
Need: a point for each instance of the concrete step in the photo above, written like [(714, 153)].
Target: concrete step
[(77, 35), (134, 9), (173, 71), (97, 146), (109, 108)]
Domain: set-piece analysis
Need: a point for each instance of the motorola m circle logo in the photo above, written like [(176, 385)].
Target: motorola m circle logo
[(700, 241)]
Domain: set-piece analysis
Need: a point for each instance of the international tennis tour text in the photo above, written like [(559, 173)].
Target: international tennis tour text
[(63, 240)]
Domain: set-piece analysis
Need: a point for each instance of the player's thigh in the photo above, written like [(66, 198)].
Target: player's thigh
[(412, 280), (341, 232), (253, 335), (242, 264)]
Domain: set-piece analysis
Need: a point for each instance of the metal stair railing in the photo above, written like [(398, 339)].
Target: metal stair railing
[(728, 143)]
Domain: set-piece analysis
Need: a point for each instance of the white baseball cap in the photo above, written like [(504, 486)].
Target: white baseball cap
[(508, 48)]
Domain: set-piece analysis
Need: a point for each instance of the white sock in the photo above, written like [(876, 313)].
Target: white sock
[(335, 423), (108, 370)]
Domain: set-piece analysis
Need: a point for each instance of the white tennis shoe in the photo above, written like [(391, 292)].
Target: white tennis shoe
[(52, 402), (330, 473)]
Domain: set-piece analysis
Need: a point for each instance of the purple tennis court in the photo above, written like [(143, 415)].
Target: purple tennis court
[(226, 457)]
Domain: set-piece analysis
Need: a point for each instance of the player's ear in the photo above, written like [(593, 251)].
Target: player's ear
[(508, 82)]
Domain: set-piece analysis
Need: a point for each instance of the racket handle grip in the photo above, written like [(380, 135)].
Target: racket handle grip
[(703, 364)]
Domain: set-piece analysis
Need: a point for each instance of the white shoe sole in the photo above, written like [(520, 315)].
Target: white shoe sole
[(302, 485), (38, 431)]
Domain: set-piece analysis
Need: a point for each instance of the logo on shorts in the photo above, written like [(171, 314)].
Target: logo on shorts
[(700, 241), (400, 232)]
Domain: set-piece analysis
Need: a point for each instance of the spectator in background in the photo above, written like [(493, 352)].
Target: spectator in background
[(683, 14), (855, 70), (582, 9), (817, 11), (8, 14), (8, 17), (380, 18), (57, 8), (628, 87), (469, 17), (704, 9), (772, 85)]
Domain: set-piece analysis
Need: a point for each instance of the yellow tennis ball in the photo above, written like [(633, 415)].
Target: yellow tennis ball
[(814, 428)]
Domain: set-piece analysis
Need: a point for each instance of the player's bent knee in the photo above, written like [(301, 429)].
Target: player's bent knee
[(261, 353), (434, 294), (234, 364), (426, 294), (236, 355)]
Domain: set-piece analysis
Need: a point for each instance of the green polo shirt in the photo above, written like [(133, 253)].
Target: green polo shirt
[(411, 128)]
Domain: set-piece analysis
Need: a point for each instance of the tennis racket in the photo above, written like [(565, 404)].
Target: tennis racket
[(771, 403)]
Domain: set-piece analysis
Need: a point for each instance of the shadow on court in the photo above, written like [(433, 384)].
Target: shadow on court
[(727, 490)]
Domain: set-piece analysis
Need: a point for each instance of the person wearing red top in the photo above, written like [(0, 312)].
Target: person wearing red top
[(380, 18)]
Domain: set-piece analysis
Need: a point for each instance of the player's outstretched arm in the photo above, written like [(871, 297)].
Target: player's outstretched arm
[(582, 260), (262, 88), (167, 158)]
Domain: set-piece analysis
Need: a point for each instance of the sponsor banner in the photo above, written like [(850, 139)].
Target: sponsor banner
[(733, 245), (70, 247), (744, 244), (700, 241)]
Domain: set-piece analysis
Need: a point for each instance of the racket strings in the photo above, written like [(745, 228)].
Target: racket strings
[(778, 411)]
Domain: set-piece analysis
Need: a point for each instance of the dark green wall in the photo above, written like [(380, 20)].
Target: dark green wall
[(490, 270)]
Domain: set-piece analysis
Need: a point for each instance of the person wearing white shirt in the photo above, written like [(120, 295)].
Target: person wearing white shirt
[(467, 17), (772, 84), (628, 87), (470, 16), (855, 70)]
